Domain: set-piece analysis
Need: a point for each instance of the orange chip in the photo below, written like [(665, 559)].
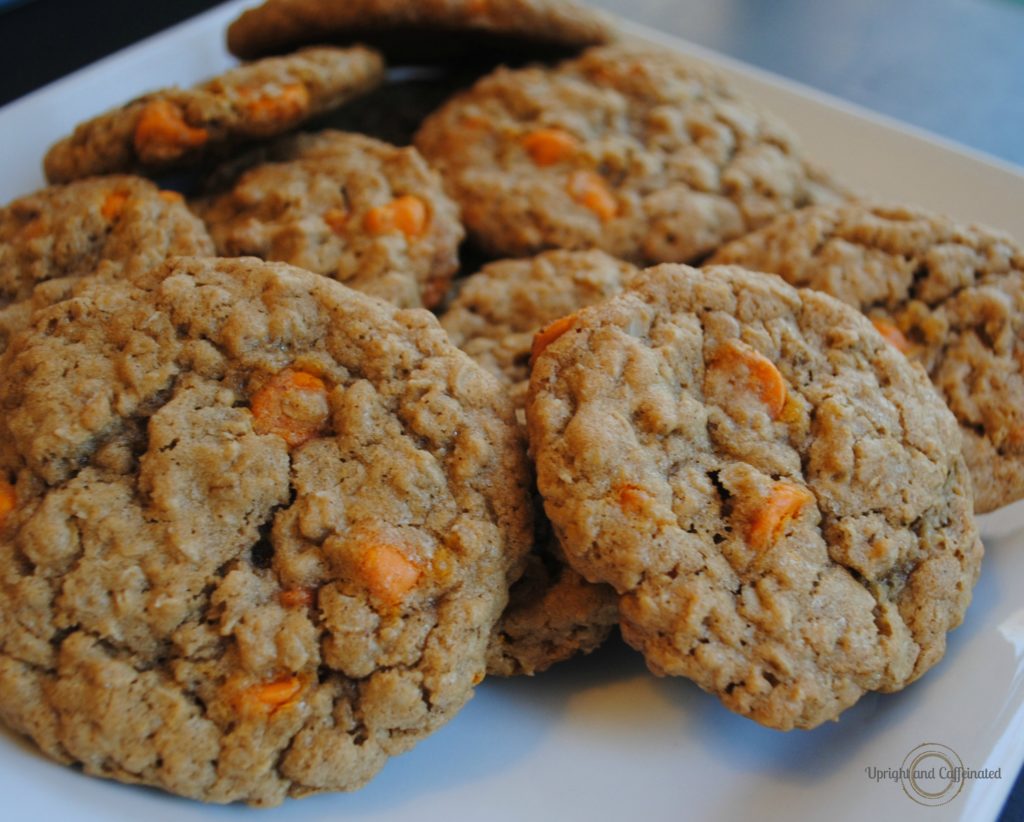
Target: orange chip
[(296, 597), (269, 696), (548, 334), (784, 502), (633, 499), (172, 197), (407, 214), (387, 572), (547, 146), (162, 134), (114, 204), (591, 191), (892, 335), (275, 105), (336, 219), (753, 373), (8, 499), (293, 405), (34, 229)]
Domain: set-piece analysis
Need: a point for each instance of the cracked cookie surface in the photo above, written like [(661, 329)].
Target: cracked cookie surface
[(777, 495), (371, 215), (255, 530), (553, 612), (424, 31), (177, 127), (52, 237), (949, 295), (630, 149)]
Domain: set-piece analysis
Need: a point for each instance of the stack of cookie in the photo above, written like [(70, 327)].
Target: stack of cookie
[(266, 521)]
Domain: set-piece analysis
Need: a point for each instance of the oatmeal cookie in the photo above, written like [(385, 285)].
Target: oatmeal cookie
[(424, 31), (776, 493), (366, 213), (630, 149), (255, 530), (179, 127), (948, 295), (52, 237), (554, 613)]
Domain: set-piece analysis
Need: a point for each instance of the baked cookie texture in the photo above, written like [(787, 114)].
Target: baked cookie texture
[(775, 492), (256, 530), (369, 214), (52, 237), (949, 295), (553, 612), (629, 149), (424, 31), (178, 127)]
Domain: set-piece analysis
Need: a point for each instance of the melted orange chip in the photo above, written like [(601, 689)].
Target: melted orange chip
[(114, 205), (753, 373), (162, 134), (8, 499), (336, 219), (547, 146), (633, 499), (407, 214), (285, 103), (548, 334), (387, 572), (785, 501), (892, 335), (34, 229), (591, 191), (269, 696), (169, 196), (293, 405), (296, 597)]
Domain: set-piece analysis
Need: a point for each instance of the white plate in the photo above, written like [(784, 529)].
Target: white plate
[(599, 738)]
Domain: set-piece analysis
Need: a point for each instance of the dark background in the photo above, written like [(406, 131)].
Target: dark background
[(42, 40)]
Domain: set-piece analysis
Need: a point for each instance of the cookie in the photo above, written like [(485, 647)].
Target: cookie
[(52, 237), (256, 530), (554, 613), (425, 31), (776, 493), (630, 149), (949, 295), (366, 213), (180, 127)]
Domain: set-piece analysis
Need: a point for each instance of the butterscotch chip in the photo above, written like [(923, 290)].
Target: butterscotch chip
[(261, 528), (553, 613), (949, 295), (787, 561), (371, 215), (630, 149), (51, 238), (424, 31), (179, 127)]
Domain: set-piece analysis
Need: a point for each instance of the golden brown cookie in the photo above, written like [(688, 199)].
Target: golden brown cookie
[(775, 492), (52, 237), (256, 530), (949, 295), (629, 148), (372, 216), (424, 31), (178, 127)]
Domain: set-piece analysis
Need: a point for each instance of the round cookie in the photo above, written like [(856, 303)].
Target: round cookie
[(424, 31), (256, 530), (630, 149), (775, 492), (553, 613), (366, 213), (178, 127), (52, 237), (950, 296)]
